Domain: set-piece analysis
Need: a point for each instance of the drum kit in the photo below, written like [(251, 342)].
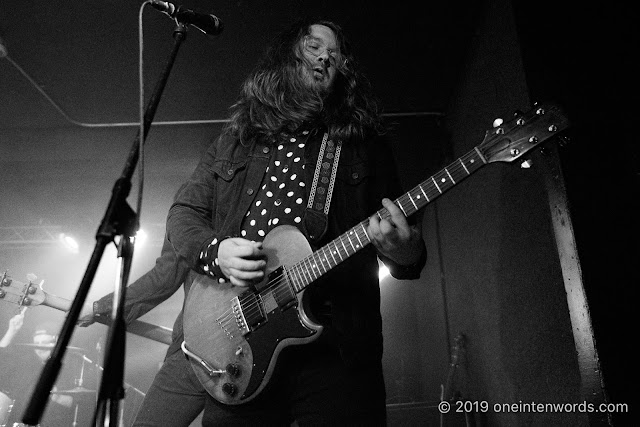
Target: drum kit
[(80, 394), (84, 399)]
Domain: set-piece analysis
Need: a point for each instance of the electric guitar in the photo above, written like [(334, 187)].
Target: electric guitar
[(30, 294), (233, 335)]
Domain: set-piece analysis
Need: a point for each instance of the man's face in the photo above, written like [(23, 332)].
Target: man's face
[(321, 56), (45, 340)]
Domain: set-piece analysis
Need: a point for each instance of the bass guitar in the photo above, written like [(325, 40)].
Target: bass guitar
[(30, 294), (233, 335)]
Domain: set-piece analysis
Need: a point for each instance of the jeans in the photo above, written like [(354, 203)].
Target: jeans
[(311, 386)]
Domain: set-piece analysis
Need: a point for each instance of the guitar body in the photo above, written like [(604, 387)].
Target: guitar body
[(243, 352)]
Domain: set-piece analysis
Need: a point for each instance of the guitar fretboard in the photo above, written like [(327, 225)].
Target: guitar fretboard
[(347, 244)]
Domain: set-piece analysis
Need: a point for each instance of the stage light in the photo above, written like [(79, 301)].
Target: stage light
[(141, 238), (383, 272), (69, 243)]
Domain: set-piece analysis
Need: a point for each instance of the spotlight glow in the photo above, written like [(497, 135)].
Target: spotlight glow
[(383, 272), (141, 238), (69, 243)]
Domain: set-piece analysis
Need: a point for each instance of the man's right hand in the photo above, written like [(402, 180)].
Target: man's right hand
[(241, 260), (16, 322)]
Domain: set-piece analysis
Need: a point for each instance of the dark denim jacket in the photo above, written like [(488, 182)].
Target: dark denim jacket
[(214, 201), (233, 172)]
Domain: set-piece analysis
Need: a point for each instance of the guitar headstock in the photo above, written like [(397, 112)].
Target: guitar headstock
[(23, 294), (508, 141)]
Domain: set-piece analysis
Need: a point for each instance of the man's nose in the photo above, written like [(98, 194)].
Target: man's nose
[(324, 56)]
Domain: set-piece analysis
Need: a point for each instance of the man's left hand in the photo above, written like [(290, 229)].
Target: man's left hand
[(394, 237)]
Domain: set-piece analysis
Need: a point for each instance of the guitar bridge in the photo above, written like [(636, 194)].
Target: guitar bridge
[(238, 316)]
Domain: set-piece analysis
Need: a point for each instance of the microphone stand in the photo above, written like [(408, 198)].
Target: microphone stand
[(119, 220)]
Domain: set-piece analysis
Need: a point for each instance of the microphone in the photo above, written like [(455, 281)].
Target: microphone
[(208, 24)]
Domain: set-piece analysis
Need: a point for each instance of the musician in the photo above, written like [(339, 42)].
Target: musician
[(21, 365), (305, 100), (15, 324), (145, 293)]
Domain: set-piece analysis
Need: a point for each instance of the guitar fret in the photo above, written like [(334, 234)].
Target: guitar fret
[(345, 248), (414, 203), (324, 253), (359, 241), (450, 177), (321, 262), (337, 250), (331, 253), (436, 184), (364, 230), (314, 266), (401, 208), (350, 242), (319, 259), (310, 267), (425, 194), (465, 168), (305, 272), (480, 155)]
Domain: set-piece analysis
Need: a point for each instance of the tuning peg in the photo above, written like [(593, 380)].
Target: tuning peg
[(498, 122), (32, 277)]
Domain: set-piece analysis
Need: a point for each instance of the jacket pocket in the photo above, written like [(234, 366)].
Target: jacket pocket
[(227, 169), (352, 197), (228, 187)]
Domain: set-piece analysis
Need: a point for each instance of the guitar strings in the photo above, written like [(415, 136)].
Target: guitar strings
[(307, 270), (310, 268), (14, 294)]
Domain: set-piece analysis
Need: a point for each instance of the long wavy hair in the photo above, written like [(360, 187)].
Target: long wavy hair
[(276, 101)]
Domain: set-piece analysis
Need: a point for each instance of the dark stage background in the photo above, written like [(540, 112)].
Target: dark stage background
[(444, 72)]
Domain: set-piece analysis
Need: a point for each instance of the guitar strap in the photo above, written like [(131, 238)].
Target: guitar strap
[(324, 177)]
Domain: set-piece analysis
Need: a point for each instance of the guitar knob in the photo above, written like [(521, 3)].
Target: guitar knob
[(229, 389), (233, 370)]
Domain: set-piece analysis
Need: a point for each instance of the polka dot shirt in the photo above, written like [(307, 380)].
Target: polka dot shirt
[(281, 200)]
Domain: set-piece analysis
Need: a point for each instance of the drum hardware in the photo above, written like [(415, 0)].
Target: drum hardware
[(49, 347), (76, 390), (6, 404)]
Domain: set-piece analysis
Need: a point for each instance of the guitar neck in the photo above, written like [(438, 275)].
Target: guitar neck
[(56, 302), (147, 330), (347, 244)]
